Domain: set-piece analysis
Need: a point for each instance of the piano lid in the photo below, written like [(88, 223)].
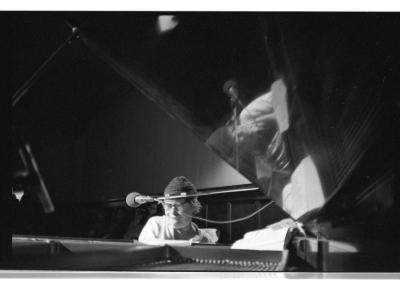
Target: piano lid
[(291, 101), (213, 73), (184, 71)]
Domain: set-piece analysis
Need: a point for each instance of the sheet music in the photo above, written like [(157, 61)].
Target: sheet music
[(162, 242), (263, 239)]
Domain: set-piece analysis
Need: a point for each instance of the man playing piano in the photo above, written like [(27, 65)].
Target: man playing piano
[(180, 205)]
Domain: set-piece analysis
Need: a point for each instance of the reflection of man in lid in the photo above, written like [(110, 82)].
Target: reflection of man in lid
[(180, 204)]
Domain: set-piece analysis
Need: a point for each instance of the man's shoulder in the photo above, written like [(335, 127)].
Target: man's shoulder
[(154, 223), (155, 219), (152, 229)]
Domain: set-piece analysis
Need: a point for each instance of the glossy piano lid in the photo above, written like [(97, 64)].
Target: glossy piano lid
[(184, 72), (247, 130)]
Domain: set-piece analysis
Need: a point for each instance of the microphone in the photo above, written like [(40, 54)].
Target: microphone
[(231, 89), (135, 199)]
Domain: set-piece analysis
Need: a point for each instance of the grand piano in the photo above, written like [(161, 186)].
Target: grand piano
[(300, 109)]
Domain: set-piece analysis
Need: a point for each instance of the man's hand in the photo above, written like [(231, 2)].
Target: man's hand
[(287, 222)]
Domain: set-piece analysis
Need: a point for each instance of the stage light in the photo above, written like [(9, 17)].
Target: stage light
[(167, 23), (18, 194)]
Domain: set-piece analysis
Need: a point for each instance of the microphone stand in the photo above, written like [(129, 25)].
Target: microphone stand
[(230, 88), (235, 124)]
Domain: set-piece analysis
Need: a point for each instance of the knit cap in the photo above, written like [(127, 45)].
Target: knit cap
[(179, 187)]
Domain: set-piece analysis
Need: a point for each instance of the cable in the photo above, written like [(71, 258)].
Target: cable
[(242, 218), (233, 220)]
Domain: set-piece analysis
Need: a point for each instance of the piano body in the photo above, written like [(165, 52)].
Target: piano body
[(308, 119)]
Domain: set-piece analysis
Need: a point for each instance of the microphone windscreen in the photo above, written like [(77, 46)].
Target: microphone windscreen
[(228, 85), (130, 199)]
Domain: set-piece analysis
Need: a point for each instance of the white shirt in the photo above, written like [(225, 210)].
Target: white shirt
[(157, 228)]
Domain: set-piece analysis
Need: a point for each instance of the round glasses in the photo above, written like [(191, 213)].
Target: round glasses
[(176, 206)]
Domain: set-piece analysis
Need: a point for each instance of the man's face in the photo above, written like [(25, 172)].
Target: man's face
[(178, 212)]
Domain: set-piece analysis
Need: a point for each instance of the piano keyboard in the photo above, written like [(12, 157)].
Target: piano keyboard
[(202, 264)]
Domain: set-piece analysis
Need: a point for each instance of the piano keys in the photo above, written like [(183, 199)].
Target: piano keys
[(60, 254)]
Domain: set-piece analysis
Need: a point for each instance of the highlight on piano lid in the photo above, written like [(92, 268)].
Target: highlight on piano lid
[(202, 142)]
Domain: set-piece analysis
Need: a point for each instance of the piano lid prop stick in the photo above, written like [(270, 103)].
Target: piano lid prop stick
[(42, 192)]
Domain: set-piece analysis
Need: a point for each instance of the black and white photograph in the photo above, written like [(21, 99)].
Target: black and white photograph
[(196, 143)]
